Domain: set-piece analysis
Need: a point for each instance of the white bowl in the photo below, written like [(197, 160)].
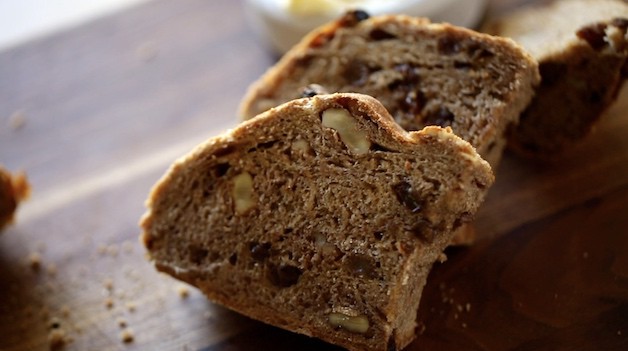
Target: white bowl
[(282, 23)]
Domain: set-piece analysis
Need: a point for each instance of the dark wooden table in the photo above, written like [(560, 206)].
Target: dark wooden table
[(95, 115)]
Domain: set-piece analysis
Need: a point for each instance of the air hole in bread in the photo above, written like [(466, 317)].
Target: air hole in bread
[(225, 150), (233, 259), (361, 266), (378, 147), (259, 251), (477, 50), (266, 145), (221, 169), (283, 275), (198, 254), (380, 34), (462, 65)]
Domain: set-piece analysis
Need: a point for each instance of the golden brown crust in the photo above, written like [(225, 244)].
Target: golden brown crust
[(290, 221)]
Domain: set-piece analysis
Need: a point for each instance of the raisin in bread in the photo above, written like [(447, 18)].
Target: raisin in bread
[(423, 73), (321, 216), (581, 47), (13, 189)]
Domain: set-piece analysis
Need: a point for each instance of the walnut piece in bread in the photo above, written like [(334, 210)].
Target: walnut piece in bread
[(423, 73), (333, 241), (582, 50)]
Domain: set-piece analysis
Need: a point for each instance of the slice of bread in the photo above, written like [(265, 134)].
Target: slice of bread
[(582, 50), (423, 73), (13, 189), (321, 216)]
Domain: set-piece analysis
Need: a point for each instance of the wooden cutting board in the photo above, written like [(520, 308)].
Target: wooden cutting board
[(96, 114)]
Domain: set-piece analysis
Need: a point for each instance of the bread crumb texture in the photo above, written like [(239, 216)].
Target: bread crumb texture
[(288, 220)]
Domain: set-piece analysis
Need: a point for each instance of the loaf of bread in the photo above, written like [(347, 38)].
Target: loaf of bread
[(423, 73), (13, 189), (581, 47), (321, 216)]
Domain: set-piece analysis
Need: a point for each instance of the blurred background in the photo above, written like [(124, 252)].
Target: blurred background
[(26, 19)]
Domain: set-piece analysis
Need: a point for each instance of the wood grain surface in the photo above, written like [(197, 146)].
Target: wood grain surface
[(95, 115)]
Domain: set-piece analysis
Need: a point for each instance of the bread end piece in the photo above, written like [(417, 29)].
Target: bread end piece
[(582, 60)]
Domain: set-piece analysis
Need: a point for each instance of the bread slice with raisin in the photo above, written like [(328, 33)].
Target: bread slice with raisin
[(582, 50), (13, 189), (423, 73), (321, 216)]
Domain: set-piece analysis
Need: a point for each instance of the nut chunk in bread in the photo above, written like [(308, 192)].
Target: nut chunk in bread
[(321, 216), (582, 49), (423, 73), (13, 189)]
